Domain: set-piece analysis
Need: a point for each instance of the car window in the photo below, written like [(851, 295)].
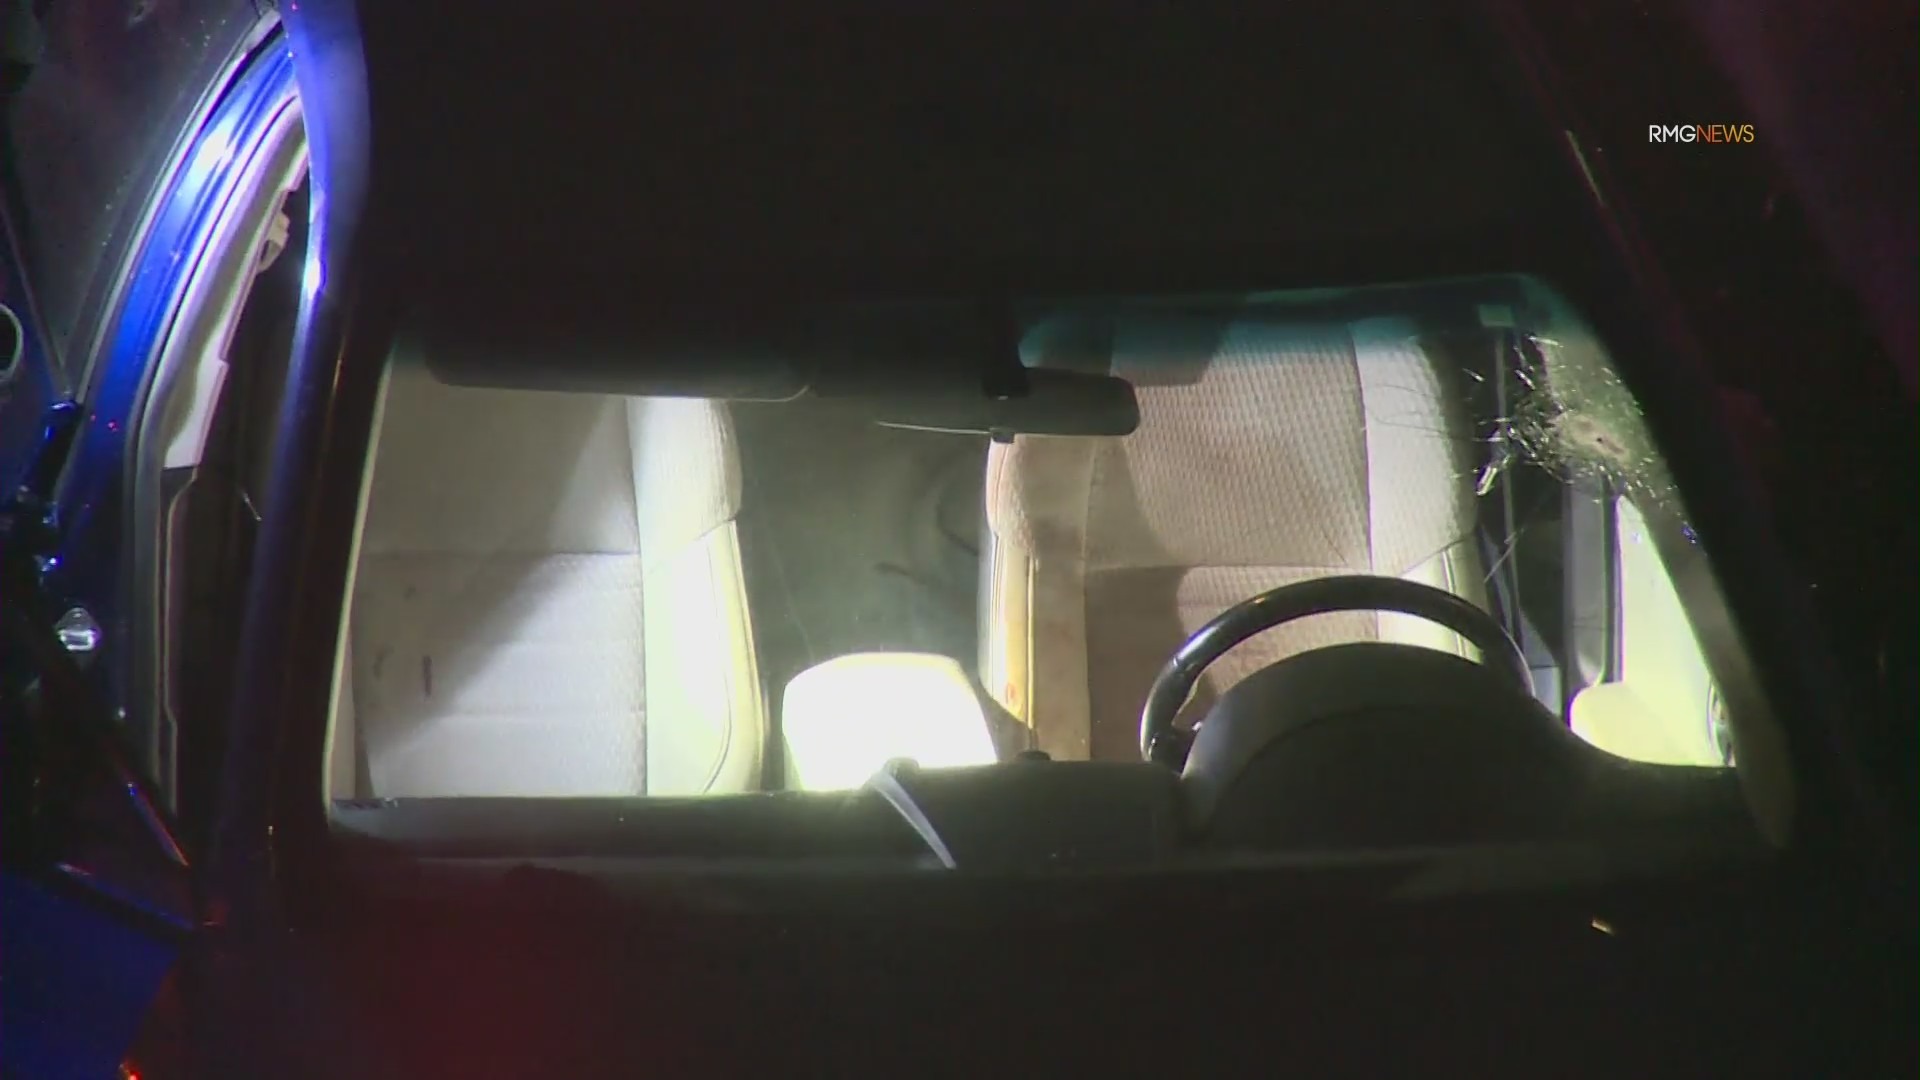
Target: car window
[(571, 594)]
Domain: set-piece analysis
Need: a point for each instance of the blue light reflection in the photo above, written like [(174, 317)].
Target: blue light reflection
[(91, 571)]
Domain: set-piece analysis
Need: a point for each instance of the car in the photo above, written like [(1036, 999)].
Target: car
[(602, 542)]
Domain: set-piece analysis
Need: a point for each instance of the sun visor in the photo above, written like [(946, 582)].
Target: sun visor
[(569, 164), (632, 350), (737, 350), (953, 367)]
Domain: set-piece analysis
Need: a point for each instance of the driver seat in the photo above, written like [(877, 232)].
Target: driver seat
[(1267, 453)]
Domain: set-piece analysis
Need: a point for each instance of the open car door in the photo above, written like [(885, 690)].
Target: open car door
[(95, 886)]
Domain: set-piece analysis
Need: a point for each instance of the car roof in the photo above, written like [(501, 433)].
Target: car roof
[(601, 154)]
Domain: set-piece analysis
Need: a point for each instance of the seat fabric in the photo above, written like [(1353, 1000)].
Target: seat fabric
[(1267, 453), (547, 600)]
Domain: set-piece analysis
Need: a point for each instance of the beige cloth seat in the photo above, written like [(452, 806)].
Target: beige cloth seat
[(1267, 453), (548, 601)]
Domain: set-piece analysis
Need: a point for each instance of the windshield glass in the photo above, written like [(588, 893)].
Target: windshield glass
[(569, 594)]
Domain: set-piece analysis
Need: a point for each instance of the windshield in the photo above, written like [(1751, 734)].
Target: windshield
[(571, 594)]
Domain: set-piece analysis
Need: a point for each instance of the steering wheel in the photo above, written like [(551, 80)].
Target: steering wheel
[(1160, 741)]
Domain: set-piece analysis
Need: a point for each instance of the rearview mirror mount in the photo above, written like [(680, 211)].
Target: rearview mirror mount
[(1051, 403)]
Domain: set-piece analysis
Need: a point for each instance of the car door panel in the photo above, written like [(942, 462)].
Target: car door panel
[(114, 168), (79, 979)]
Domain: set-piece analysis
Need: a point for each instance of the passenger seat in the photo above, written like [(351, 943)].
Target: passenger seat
[(548, 600)]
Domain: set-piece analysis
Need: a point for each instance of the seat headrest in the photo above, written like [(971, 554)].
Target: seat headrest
[(1261, 443)]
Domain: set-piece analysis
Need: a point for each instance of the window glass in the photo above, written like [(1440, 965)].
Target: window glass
[(597, 595)]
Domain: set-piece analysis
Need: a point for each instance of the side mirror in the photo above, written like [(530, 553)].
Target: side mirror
[(847, 717)]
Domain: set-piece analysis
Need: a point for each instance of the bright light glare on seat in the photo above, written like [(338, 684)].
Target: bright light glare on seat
[(845, 718), (1659, 710)]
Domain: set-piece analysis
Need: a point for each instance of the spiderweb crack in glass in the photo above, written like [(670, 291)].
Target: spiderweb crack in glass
[(1579, 420)]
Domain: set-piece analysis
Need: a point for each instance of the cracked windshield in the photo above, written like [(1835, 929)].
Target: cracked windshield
[(569, 594)]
